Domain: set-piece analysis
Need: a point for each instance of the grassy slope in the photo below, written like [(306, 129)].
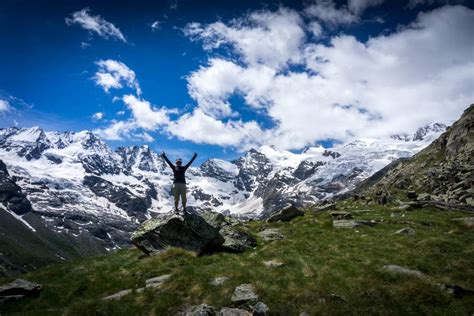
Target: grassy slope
[(320, 260)]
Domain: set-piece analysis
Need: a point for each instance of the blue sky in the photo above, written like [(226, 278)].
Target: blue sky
[(211, 83)]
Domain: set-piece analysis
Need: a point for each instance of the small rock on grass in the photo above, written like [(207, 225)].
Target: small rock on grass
[(118, 295), (341, 215), (273, 263), (405, 231), (157, 281), (244, 293), (271, 234), (456, 290), (347, 223), (260, 309), (402, 270), (219, 280)]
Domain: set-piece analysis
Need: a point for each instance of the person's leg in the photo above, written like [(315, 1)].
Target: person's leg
[(183, 197), (176, 197)]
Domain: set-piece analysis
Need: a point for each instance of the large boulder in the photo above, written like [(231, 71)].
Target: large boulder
[(190, 232), (19, 289), (236, 239), (286, 214)]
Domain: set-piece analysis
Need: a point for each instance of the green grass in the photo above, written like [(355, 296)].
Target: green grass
[(319, 260)]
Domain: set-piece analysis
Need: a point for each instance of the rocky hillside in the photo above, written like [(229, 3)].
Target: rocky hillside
[(441, 174)]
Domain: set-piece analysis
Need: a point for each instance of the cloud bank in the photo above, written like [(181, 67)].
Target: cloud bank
[(312, 90)]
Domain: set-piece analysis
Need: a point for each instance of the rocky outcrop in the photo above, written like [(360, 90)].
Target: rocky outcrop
[(11, 194), (442, 174), (190, 232), (19, 289)]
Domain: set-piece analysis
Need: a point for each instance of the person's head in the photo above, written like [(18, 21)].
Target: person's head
[(179, 162)]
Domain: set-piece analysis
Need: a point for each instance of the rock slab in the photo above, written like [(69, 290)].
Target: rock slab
[(19, 289), (244, 293), (190, 232), (271, 234), (286, 214)]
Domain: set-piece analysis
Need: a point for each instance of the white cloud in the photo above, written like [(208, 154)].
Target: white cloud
[(155, 26), (145, 115), (98, 116), (4, 106), (350, 89), (344, 89), (118, 130), (95, 24), (113, 74), (202, 128), (270, 38)]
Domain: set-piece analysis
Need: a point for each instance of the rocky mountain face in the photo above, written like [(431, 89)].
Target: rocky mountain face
[(441, 174), (74, 185)]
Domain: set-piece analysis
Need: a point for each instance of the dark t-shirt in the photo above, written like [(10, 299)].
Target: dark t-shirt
[(179, 171)]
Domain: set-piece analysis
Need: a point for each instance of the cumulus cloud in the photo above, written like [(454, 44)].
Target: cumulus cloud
[(263, 37), (341, 89), (113, 74), (4, 106), (349, 89), (98, 116), (95, 24)]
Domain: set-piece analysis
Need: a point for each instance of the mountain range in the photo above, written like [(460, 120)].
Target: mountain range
[(74, 195)]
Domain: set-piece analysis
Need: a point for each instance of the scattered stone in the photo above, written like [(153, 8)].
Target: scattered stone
[(157, 281), (348, 223), (118, 295), (286, 214), (466, 221), (260, 309), (402, 270), (405, 231), (273, 263), (244, 293), (200, 310), (456, 290), (219, 280), (190, 232), (330, 298), (19, 289), (341, 215), (271, 234), (226, 311), (327, 207), (304, 314)]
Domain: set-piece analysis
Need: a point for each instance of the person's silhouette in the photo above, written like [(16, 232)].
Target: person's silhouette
[(179, 182)]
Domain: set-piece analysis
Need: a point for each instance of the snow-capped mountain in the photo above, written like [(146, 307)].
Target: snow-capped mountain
[(78, 185)]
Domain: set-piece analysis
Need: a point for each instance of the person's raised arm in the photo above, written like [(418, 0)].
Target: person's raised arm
[(167, 160), (191, 161)]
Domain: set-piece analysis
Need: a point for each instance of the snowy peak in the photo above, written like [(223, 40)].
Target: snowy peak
[(428, 130), (219, 169)]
